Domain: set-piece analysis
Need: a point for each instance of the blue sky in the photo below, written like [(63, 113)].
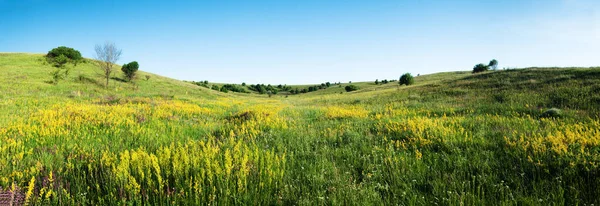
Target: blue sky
[(310, 41)]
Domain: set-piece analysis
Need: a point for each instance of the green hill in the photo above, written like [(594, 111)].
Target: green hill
[(29, 74), (515, 137)]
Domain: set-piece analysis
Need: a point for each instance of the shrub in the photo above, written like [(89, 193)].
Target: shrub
[(552, 113), (493, 64), (70, 53), (350, 88), (130, 70), (215, 87), (406, 79), (224, 89), (201, 83), (234, 88), (59, 57), (480, 68), (147, 77)]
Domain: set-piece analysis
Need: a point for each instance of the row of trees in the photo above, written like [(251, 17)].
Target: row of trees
[(405, 79), (313, 88), (385, 81), (107, 55)]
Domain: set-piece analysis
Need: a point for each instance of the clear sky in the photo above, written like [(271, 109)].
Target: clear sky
[(310, 41)]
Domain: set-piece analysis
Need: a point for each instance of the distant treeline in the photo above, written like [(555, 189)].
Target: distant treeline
[(264, 89)]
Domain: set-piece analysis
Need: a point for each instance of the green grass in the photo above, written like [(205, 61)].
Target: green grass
[(451, 138)]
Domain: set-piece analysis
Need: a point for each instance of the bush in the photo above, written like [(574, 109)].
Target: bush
[(130, 70), (215, 87), (59, 57), (70, 53), (224, 89), (480, 68), (350, 88), (406, 79), (552, 113), (234, 88)]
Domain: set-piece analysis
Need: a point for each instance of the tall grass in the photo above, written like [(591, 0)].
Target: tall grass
[(451, 139)]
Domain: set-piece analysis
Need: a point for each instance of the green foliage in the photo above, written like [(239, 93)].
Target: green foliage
[(351, 88), (266, 89), (130, 70), (59, 57), (224, 89), (215, 87), (59, 61), (552, 113), (445, 141), (233, 88), (480, 68), (493, 64), (73, 55), (201, 83), (57, 75), (406, 79)]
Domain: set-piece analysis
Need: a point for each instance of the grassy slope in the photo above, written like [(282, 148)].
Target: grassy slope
[(451, 138), (26, 77)]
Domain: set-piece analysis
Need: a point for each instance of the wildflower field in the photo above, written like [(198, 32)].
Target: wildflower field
[(451, 139)]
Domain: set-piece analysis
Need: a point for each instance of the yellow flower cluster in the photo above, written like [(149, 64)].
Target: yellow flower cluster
[(337, 112), (253, 120), (422, 130), (195, 168), (577, 142)]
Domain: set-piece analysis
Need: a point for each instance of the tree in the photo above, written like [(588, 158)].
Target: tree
[(224, 89), (350, 88), (406, 79), (59, 57), (243, 84), (377, 81), (493, 64), (71, 54), (480, 68), (130, 70), (107, 54)]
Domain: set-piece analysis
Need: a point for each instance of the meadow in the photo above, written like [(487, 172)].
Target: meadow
[(452, 138)]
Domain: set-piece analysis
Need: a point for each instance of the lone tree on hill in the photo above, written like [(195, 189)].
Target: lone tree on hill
[(480, 68), (130, 69), (59, 57), (407, 79), (107, 54), (493, 64), (72, 55), (351, 87)]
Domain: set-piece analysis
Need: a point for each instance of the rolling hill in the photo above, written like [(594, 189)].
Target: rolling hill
[(524, 136)]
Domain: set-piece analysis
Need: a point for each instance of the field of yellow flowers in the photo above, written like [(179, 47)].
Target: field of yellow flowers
[(450, 142)]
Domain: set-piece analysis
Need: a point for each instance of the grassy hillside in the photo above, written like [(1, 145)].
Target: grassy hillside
[(451, 138)]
